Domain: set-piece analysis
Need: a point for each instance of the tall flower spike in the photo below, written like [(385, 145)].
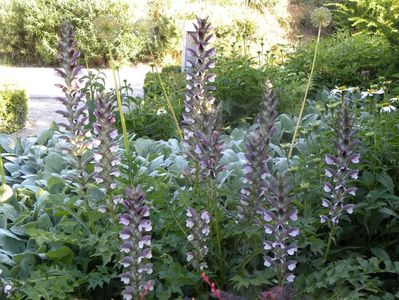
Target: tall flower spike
[(278, 245), (201, 118), (339, 170), (199, 225), (74, 134), (135, 245), (256, 169), (106, 158)]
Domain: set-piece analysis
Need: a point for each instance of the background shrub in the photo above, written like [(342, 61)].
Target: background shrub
[(13, 109), (148, 30), (381, 16), (31, 29), (150, 116), (346, 59), (238, 84)]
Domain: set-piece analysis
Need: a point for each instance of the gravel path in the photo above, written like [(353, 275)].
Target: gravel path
[(40, 86)]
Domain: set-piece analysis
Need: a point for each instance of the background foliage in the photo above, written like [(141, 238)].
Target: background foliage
[(13, 108)]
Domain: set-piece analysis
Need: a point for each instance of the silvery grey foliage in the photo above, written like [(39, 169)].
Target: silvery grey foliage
[(279, 245), (199, 225), (256, 170), (201, 118), (106, 169), (339, 171), (136, 244), (75, 136)]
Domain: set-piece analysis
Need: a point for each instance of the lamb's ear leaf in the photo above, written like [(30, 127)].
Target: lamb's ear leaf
[(6, 193)]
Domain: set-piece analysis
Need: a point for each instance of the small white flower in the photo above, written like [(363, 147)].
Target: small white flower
[(190, 256), (386, 108), (394, 99), (371, 93), (161, 111), (7, 288), (189, 223)]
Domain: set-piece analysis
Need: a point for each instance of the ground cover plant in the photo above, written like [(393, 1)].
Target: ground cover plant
[(88, 213)]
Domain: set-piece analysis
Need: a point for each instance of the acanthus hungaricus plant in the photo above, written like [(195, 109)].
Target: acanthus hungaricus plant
[(199, 226), (201, 118), (106, 170), (279, 246), (339, 169), (136, 245), (75, 135), (256, 170)]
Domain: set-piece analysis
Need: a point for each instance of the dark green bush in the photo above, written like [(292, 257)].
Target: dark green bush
[(346, 59), (151, 115), (238, 86), (13, 109)]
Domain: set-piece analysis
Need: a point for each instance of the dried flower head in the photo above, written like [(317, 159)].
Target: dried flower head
[(106, 28), (321, 17)]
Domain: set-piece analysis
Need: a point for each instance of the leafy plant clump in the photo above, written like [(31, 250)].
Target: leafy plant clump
[(231, 216), (13, 109)]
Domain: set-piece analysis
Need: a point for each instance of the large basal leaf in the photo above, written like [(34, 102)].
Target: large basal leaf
[(54, 163), (8, 211), (55, 184), (62, 253)]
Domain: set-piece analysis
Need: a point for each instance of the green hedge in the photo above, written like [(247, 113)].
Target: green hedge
[(13, 109), (30, 30)]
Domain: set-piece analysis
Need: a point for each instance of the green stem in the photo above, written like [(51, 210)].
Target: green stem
[(119, 101), (306, 95), (216, 223), (83, 186), (2, 172), (173, 215), (169, 103), (166, 96), (330, 237)]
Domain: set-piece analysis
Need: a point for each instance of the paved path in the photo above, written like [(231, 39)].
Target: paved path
[(40, 86)]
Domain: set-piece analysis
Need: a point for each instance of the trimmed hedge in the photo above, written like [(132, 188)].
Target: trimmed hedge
[(13, 109)]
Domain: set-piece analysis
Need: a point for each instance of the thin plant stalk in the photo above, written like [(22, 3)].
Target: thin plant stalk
[(166, 96), (214, 207), (2, 173), (178, 130), (330, 237), (119, 101), (306, 94)]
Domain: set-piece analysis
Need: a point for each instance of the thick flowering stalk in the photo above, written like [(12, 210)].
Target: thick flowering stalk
[(74, 134), (339, 170), (135, 245), (106, 170), (255, 184), (201, 118), (279, 246), (198, 237), (75, 137)]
